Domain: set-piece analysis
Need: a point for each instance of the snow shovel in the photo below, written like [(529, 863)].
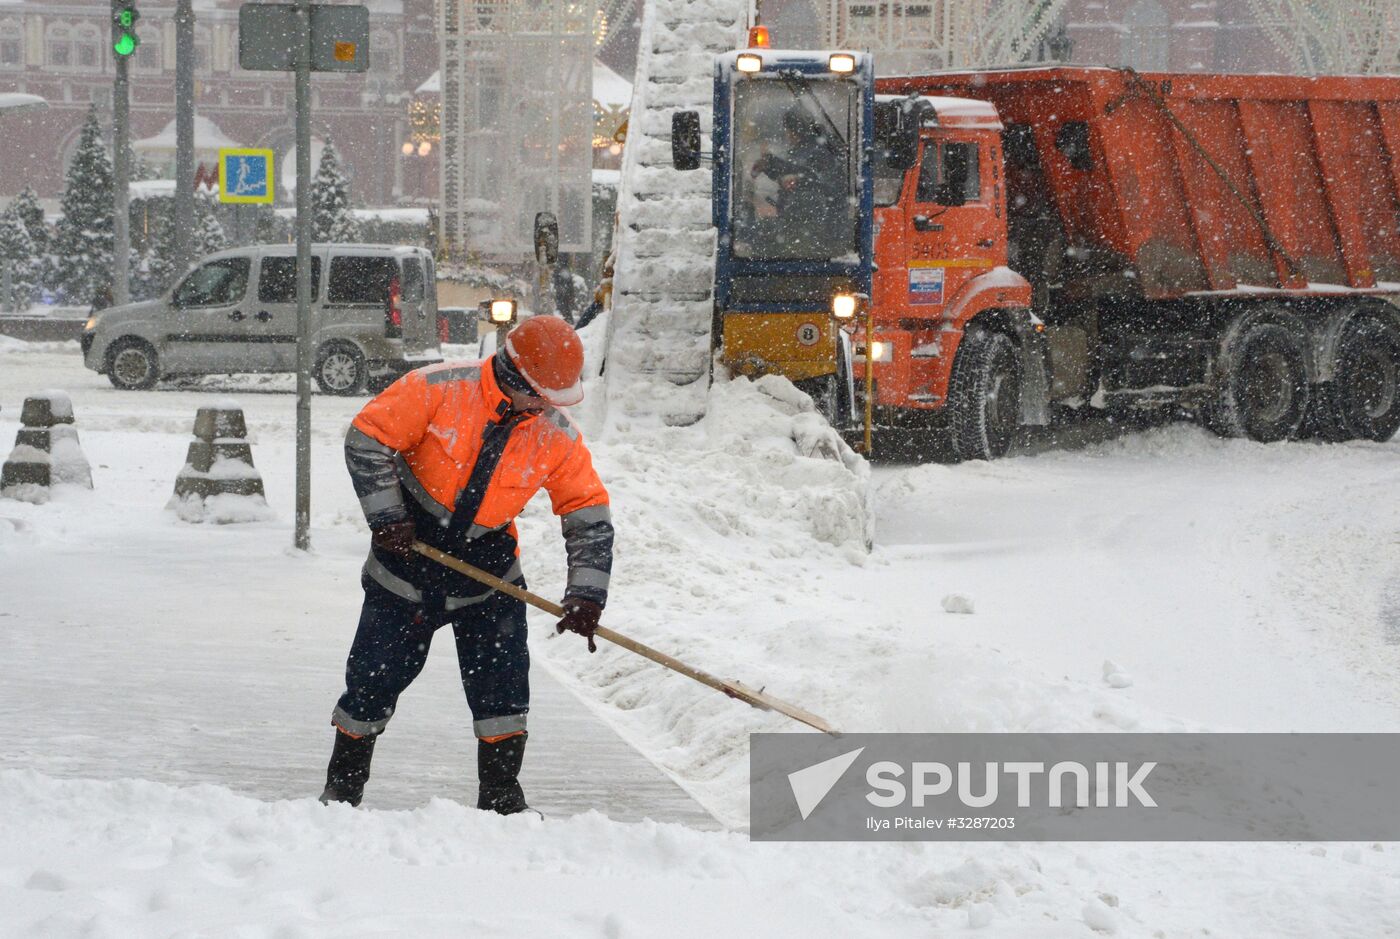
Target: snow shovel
[(733, 689)]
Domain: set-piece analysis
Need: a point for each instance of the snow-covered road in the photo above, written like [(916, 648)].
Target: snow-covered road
[(1241, 587), (1231, 586)]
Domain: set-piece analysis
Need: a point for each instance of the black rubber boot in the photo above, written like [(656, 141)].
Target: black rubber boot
[(349, 769), (498, 771)]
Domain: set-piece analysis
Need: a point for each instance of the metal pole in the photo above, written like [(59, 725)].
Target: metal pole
[(121, 172), (869, 382), (302, 539), (184, 136)]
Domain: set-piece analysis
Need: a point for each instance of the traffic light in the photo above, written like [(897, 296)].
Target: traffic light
[(124, 38)]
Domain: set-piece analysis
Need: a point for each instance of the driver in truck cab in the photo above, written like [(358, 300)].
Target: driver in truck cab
[(808, 193)]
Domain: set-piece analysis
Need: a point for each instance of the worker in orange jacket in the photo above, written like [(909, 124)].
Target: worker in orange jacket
[(449, 455)]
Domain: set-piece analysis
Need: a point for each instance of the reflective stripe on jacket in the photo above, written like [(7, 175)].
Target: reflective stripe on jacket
[(419, 441)]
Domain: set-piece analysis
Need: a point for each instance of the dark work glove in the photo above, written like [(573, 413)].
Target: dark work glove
[(581, 616), (395, 538)]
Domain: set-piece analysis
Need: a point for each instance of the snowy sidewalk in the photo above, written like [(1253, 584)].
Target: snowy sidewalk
[(101, 655), (134, 645)]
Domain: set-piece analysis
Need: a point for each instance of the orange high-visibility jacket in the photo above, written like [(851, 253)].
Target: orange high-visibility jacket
[(420, 439)]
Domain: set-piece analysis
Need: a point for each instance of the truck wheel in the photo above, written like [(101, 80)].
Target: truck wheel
[(1362, 401), (132, 365), (984, 396), (340, 369), (1264, 394), (828, 393)]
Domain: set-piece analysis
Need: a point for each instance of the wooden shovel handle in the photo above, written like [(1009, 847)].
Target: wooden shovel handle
[(734, 690)]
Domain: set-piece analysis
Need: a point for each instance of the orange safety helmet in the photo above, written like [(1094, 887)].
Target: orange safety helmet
[(548, 354)]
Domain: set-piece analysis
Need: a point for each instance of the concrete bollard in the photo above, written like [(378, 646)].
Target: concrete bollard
[(219, 482), (47, 451)]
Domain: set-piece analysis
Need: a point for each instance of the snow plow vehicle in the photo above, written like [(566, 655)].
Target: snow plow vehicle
[(1046, 239)]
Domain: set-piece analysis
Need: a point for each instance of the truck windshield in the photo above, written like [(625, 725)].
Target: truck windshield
[(795, 170)]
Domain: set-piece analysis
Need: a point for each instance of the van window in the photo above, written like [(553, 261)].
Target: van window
[(412, 280), (360, 279), (217, 283), (277, 280)]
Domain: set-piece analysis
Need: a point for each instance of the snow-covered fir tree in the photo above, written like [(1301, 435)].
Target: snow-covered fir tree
[(209, 235), (31, 213), (19, 263), (82, 242), (270, 228), (330, 201), (154, 270)]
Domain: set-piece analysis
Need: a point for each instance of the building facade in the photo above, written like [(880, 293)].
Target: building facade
[(61, 50), (1171, 35), (1175, 35)]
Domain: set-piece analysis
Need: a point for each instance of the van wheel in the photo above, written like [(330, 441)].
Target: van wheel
[(132, 365), (340, 369), (1362, 401), (1263, 394), (984, 396)]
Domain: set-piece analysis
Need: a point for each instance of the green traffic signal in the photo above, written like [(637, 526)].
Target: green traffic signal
[(124, 38)]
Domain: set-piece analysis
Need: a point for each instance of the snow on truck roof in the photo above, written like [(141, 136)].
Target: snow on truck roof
[(957, 112), (778, 57)]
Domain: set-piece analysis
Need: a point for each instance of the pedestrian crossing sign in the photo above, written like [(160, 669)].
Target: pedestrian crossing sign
[(246, 176)]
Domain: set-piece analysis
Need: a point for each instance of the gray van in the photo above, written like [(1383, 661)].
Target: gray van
[(373, 318)]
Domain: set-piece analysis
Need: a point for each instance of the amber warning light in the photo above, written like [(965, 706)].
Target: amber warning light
[(758, 37)]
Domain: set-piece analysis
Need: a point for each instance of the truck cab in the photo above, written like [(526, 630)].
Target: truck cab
[(940, 246), (793, 189)]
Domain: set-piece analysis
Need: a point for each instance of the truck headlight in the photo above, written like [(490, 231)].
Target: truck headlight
[(502, 312), (844, 306), (749, 63), (90, 325), (842, 63), (881, 351)]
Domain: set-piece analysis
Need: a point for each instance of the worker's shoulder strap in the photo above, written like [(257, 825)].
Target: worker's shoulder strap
[(493, 445)]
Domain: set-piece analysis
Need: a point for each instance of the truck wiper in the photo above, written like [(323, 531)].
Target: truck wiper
[(796, 87)]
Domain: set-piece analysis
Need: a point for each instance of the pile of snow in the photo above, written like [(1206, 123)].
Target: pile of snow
[(60, 403), (224, 508), (14, 532), (135, 858), (9, 345)]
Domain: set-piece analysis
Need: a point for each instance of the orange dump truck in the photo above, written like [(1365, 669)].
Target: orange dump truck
[(1227, 245)]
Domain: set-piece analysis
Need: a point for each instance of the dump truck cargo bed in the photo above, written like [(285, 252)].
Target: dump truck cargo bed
[(1172, 185)]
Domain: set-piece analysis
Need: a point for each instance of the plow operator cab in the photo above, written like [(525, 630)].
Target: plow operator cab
[(793, 190)]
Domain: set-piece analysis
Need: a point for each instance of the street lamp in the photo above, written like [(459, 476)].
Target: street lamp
[(502, 314)]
